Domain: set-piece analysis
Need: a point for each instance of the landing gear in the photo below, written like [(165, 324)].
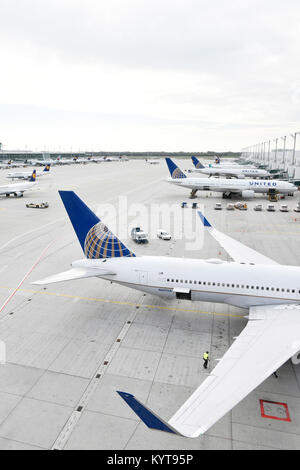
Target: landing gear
[(193, 193), (226, 195)]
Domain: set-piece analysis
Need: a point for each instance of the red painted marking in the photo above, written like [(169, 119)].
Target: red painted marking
[(284, 405), (25, 277)]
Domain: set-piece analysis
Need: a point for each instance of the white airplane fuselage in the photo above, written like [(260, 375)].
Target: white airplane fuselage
[(237, 185), (241, 285), (236, 172), (17, 188)]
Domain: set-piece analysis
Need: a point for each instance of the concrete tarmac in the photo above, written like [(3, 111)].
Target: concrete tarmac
[(71, 345)]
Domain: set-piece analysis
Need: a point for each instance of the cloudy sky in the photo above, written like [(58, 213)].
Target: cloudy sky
[(135, 75)]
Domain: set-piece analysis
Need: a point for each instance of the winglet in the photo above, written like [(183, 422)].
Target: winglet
[(146, 415), (204, 220), (197, 164)]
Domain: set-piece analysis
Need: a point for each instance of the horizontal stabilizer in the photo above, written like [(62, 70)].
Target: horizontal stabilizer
[(74, 273), (146, 415)]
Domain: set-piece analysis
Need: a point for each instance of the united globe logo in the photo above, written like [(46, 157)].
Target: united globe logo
[(177, 173), (100, 242)]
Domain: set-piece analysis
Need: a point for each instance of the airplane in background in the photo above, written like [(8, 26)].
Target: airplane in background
[(25, 175), (18, 189), (153, 161), (253, 281), (227, 171), (228, 187)]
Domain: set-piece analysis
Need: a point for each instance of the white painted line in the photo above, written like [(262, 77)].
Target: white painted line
[(65, 434), (25, 277)]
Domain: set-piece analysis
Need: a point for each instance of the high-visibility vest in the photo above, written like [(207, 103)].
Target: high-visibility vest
[(205, 356)]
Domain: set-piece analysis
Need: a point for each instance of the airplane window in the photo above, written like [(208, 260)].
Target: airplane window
[(204, 283), (195, 282), (278, 289), (232, 285), (252, 287), (199, 282), (168, 280), (208, 283), (228, 285)]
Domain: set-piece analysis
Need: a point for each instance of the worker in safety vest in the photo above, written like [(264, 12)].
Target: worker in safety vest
[(205, 359)]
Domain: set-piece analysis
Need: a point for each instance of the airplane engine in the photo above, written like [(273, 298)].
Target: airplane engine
[(18, 194), (248, 194), (241, 177)]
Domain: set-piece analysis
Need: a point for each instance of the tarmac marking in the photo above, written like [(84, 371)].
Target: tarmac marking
[(25, 277), (69, 427), (130, 304)]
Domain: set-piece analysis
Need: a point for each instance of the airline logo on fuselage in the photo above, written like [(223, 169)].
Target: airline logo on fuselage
[(263, 183)]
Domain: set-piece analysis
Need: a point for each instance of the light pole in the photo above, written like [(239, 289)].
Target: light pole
[(276, 140), (294, 149), (284, 147)]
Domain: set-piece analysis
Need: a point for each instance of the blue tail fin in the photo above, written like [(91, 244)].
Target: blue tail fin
[(33, 176), (175, 172), (96, 240), (197, 164), (47, 168)]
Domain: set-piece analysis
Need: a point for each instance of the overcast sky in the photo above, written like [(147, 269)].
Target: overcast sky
[(173, 75)]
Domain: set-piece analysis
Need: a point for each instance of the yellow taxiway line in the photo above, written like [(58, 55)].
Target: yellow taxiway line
[(118, 302)]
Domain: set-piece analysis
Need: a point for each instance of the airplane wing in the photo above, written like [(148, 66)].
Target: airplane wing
[(238, 252), (270, 338), (74, 273)]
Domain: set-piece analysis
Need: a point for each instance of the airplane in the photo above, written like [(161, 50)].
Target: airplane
[(153, 161), (25, 175), (18, 189), (227, 171), (252, 281), (246, 187)]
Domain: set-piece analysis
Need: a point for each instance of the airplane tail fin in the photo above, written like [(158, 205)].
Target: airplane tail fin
[(33, 176), (197, 164), (96, 240), (47, 168), (175, 172)]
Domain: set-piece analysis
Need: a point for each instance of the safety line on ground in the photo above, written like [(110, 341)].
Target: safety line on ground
[(130, 304), (81, 406)]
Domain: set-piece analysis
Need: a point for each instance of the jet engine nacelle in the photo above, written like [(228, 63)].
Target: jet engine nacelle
[(18, 194), (248, 194)]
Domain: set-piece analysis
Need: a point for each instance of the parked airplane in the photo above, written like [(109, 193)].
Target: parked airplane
[(270, 291), (26, 175), (227, 171), (246, 188), (18, 189), (153, 161)]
